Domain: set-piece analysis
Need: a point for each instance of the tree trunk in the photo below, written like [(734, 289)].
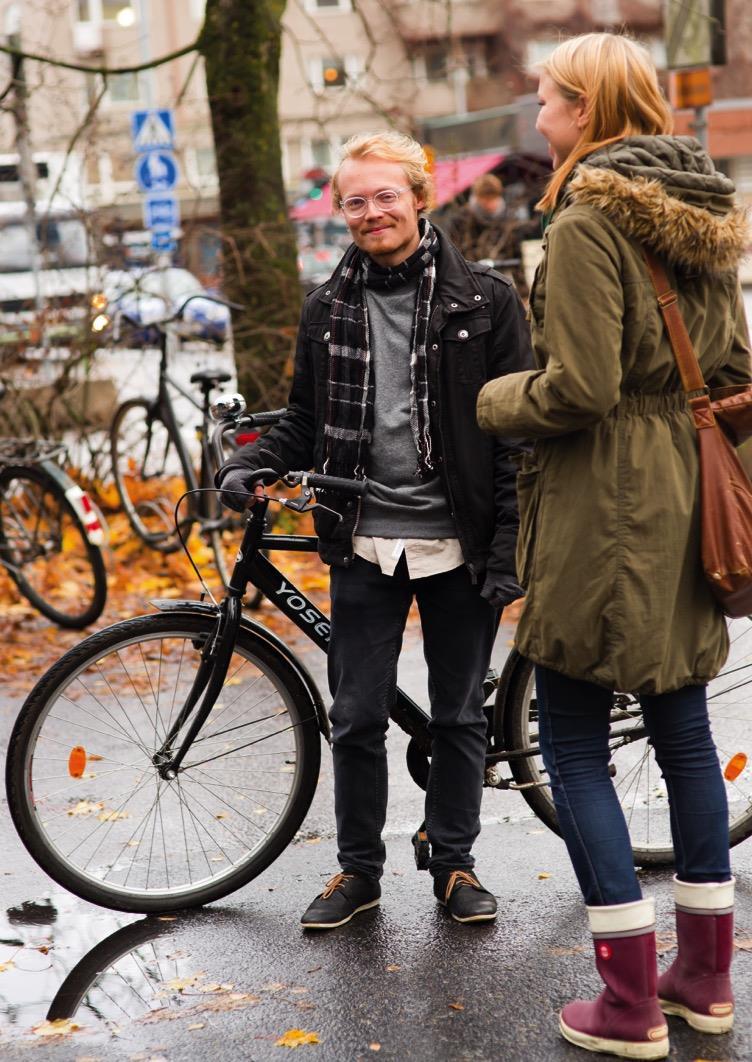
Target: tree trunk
[(240, 43)]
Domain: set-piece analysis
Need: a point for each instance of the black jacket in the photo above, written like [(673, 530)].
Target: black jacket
[(477, 332)]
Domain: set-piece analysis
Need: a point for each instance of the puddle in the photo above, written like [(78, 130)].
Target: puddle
[(60, 962)]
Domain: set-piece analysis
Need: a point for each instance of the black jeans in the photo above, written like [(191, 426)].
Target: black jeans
[(369, 612)]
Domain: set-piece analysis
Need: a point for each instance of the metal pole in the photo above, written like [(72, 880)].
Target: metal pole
[(145, 47), (460, 78), (26, 168), (700, 126)]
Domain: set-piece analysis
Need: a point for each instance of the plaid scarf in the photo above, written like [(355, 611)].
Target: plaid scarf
[(350, 386)]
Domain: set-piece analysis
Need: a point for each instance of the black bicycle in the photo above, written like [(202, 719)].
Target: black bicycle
[(153, 468), (51, 534), (169, 759)]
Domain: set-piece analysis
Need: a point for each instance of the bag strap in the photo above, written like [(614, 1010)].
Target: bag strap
[(681, 344)]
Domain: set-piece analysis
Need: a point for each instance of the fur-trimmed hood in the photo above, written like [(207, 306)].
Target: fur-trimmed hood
[(665, 192)]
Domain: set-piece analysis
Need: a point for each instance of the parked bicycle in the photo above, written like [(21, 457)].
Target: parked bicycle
[(151, 462), (51, 534), (169, 759)]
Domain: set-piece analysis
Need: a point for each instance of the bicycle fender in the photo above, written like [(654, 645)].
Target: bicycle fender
[(253, 627), (90, 515), (502, 690)]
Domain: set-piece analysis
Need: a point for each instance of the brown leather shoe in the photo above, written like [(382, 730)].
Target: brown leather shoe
[(464, 896), (344, 895)]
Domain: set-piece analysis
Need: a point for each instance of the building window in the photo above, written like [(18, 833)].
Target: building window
[(476, 51), (321, 154), (206, 163), (333, 73), (657, 48), (436, 59), (327, 5), (121, 11), (606, 12), (123, 88), (740, 171), (537, 51)]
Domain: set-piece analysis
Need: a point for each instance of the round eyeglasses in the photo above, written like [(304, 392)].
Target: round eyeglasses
[(355, 206)]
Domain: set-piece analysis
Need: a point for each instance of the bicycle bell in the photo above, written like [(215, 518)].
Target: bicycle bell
[(225, 406)]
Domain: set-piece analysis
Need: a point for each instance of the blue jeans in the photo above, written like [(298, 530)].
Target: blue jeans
[(574, 722), (369, 612)]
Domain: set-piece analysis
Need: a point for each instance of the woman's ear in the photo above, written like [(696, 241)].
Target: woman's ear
[(581, 112)]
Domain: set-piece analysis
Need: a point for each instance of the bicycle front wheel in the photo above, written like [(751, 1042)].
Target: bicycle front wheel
[(89, 803), (45, 548), (636, 776), (149, 474)]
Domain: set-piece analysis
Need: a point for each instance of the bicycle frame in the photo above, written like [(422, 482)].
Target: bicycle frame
[(252, 566), (198, 506)]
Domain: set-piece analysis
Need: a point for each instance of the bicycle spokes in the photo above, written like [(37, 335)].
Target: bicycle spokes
[(98, 791)]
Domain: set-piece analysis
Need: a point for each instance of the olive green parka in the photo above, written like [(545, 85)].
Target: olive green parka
[(609, 547)]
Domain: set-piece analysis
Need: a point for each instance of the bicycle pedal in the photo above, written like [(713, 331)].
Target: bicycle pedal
[(422, 849)]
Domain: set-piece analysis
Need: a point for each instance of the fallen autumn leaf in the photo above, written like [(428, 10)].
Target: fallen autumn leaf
[(297, 1038)]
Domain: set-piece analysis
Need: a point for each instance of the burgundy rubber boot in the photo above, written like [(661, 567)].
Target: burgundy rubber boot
[(625, 1019), (697, 985)]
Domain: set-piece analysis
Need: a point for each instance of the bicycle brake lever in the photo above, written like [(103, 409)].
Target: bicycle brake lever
[(306, 503)]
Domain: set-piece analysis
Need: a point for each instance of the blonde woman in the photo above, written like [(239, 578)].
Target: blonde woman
[(609, 535)]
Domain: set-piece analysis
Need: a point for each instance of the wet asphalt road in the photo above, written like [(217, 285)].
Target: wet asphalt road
[(402, 982)]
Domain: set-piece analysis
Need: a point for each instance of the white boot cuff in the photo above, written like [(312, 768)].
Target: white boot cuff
[(622, 918), (704, 895)]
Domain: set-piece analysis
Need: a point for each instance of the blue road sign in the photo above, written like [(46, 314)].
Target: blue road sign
[(153, 130), (163, 241), (156, 171), (161, 212)]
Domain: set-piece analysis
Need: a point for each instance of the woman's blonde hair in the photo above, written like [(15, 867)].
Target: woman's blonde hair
[(392, 147), (619, 83)]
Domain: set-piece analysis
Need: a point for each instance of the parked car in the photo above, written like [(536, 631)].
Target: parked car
[(316, 264), (152, 295)]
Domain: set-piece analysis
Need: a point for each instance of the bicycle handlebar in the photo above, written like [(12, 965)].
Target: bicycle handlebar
[(317, 480), (162, 323), (261, 420), (238, 423)]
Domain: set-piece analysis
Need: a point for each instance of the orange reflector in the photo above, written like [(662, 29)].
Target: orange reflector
[(735, 766), (77, 761)]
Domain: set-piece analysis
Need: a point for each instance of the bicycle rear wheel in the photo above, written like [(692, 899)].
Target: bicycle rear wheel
[(88, 801), (149, 474), (637, 777), (45, 548)]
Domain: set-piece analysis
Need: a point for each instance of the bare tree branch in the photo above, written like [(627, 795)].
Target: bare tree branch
[(103, 70)]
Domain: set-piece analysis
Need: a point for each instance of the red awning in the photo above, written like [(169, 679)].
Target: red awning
[(451, 176)]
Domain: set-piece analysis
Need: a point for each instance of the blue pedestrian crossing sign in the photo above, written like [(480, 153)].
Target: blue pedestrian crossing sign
[(153, 130), (162, 212), (156, 171), (163, 241)]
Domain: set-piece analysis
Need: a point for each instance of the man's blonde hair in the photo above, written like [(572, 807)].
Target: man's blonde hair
[(390, 146), (619, 82)]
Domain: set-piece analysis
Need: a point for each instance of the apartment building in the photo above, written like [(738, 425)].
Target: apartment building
[(344, 69)]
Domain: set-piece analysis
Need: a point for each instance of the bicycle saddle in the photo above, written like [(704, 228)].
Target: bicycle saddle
[(210, 377)]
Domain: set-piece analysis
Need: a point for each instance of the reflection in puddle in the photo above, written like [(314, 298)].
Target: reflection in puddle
[(59, 961)]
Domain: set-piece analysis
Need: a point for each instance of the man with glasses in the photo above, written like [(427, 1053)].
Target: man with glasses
[(392, 352)]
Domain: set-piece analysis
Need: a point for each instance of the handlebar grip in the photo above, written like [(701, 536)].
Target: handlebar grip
[(272, 416), (338, 483)]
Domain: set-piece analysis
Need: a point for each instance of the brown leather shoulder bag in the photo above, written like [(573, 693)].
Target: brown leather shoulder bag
[(723, 420)]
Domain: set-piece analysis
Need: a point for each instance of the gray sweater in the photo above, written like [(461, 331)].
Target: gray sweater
[(398, 504)]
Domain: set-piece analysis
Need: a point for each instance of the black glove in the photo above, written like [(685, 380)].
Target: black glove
[(501, 589), (236, 487)]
